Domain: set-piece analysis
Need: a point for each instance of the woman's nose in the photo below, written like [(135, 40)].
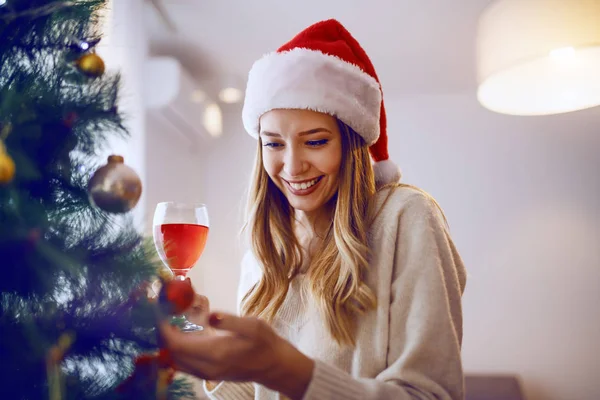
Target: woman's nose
[(294, 163)]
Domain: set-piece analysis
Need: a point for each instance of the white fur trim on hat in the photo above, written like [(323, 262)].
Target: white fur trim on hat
[(309, 79), (386, 171)]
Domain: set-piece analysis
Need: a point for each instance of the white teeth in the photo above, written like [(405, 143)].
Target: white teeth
[(304, 185)]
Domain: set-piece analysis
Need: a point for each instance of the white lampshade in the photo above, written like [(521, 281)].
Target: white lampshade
[(539, 57)]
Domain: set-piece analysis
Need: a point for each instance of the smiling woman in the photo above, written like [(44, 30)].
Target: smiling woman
[(303, 159), (352, 286)]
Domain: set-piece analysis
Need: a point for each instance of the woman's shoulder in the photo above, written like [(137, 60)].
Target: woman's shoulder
[(400, 201)]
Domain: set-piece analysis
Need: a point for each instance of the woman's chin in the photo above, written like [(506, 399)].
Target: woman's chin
[(305, 206), (309, 205)]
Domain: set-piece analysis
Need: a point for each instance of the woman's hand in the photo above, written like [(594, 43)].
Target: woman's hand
[(247, 349), (199, 311)]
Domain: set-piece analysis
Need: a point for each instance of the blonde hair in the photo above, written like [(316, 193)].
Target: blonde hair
[(338, 269)]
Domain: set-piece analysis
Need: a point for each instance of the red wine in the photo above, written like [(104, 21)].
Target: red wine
[(180, 245)]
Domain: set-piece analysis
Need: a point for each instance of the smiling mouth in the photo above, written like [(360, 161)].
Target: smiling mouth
[(304, 185)]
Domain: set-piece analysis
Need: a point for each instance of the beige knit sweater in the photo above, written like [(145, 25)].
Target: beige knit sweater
[(409, 347)]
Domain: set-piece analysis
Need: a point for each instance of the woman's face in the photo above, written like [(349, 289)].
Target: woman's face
[(302, 153)]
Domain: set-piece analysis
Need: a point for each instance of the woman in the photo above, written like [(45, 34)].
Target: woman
[(352, 287)]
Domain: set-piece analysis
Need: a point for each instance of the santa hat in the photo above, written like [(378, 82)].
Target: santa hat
[(323, 69)]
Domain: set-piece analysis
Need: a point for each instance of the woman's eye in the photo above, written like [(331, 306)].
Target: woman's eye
[(272, 144), (317, 143)]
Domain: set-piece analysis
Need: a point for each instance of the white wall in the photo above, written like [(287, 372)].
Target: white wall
[(124, 48), (215, 174), (523, 200)]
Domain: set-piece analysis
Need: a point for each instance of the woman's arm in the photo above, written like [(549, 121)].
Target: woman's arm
[(425, 318), (425, 331)]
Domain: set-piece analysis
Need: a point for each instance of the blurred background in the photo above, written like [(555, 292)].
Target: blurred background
[(521, 193)]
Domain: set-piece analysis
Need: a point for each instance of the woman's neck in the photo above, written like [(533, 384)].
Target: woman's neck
[(311, 227), (314, 223)]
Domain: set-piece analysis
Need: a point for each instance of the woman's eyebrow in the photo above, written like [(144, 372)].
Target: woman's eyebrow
[(303, 133)]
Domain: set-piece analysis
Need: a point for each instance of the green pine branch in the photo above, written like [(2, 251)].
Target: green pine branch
[(68, 267)]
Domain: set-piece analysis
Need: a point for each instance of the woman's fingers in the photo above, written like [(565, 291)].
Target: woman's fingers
[(242, 350), (193, 344), (201, 303), (193, 366), (221, 358), (198, 312), (167, 334), (248, 327)]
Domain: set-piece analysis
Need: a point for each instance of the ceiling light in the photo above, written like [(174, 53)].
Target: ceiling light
[(213, 120), (230, 95), (539, 57)]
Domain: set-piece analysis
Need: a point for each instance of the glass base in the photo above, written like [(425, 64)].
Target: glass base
[(190, 327), (180, 274), (184, 324)]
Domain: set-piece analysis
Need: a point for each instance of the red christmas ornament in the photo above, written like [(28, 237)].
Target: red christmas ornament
[(164, 359), (144, 360), (178, 295)]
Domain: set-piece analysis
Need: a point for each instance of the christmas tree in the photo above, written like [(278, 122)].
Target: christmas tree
[(75, 322)]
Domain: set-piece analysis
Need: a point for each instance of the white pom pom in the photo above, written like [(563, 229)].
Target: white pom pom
[(386, 171)]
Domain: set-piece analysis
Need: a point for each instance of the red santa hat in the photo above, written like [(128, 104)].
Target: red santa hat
[(323, 69)]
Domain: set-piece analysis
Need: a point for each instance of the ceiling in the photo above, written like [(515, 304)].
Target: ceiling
[(417, 46)]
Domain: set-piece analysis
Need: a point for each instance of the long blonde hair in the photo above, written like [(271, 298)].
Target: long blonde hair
[(337, 271)]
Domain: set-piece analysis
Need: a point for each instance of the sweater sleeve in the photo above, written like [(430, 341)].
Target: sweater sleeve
[(237, 390), (230, 391), (425, 318)]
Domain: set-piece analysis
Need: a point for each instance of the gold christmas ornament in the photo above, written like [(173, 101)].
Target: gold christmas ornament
[(7, 166), (115, 187), (91, 65)]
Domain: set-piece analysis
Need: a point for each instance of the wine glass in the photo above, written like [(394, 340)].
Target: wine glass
[(180, 231)]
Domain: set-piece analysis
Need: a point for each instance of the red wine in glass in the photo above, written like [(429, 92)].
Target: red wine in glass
[(180, 231), (180, 245)]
